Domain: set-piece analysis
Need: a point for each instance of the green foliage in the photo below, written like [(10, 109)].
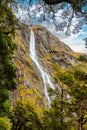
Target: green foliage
[(63, 114), (6, 18), (4, 123), (4, 104), (4, 95), (7, 48), (76, 81), (67, 78), (80, 75), (24, 117), (82, 58), (55, 117)]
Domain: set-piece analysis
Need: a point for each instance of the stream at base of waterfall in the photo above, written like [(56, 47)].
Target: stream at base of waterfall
[(45, 77)]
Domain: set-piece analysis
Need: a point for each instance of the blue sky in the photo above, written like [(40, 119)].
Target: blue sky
[(74, 41)]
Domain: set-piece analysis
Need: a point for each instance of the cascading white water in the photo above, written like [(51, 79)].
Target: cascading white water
[(44, 75)]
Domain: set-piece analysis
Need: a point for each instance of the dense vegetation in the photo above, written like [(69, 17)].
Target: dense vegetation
[(75, 81), (7, 68), (68, 110)]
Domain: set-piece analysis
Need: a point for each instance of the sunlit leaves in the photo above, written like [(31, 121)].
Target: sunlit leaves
[(25, 117), (5, 123)]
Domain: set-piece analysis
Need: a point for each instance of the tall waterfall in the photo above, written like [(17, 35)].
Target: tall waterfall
[(45, 77)]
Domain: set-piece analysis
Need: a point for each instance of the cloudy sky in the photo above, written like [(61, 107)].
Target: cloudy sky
[(74, 41)]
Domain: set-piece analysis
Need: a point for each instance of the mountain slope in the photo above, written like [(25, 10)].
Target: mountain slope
[(53, 56)]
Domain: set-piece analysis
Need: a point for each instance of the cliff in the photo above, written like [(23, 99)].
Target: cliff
[(53, 56)]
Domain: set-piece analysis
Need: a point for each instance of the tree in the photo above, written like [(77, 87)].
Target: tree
[(7, 68), (4, 104), (58, 116), (76, 81), (5, 123), (24, 117), (7, 48)]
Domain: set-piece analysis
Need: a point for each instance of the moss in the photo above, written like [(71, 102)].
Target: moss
[(30, 87), (32, 97), (28, 82)]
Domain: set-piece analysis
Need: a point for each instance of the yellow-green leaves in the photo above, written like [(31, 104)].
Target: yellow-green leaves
[(5, 123)]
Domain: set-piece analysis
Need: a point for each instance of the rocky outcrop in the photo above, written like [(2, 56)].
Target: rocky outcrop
[(52, 54), (47, 44), (51, 50), (29, 85)]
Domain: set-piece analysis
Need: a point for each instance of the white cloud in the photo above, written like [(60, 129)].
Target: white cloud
[(79, 48), (73, 40)]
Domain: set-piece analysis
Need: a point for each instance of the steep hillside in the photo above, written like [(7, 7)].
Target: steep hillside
[(28, 82), (53, 56), (51, 51)]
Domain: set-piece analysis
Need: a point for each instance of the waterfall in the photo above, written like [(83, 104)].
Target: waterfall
[(45, 77)]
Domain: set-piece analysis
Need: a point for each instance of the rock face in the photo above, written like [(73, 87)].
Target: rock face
[(49, 45), (51, 51), (52, 54)]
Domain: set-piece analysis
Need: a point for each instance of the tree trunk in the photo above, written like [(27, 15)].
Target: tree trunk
[(80, 122), (80, 126), (61, 120)]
